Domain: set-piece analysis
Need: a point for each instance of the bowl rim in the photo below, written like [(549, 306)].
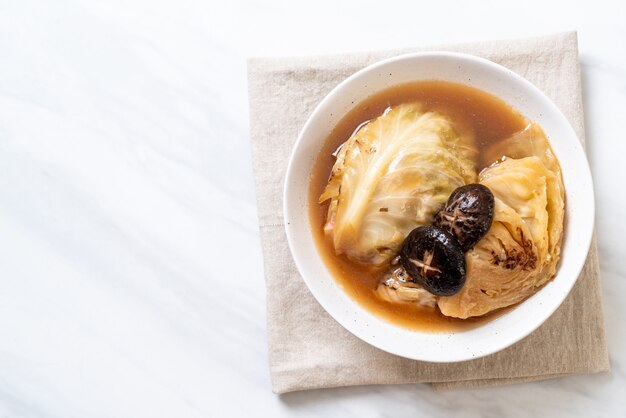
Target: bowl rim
[(289, 216)]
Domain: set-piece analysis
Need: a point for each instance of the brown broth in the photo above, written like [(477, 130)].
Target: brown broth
[(488, 117)]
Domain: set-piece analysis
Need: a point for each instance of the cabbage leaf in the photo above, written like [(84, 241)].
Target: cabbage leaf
[(391, 176)]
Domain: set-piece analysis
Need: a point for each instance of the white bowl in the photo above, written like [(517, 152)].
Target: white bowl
[(523, 96)]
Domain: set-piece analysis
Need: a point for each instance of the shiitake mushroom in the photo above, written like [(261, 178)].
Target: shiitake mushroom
[(434, 259), (467, 214)]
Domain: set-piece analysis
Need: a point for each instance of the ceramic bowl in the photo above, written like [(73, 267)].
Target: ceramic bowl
[(508, 328)]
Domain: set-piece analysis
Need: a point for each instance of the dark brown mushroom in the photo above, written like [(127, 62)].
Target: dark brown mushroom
[(433, 258), (467, 214)]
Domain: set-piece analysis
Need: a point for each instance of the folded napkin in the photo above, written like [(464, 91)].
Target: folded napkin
[(307, 348)]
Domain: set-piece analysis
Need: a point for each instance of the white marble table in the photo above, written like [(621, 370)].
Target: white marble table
[(130, 269)]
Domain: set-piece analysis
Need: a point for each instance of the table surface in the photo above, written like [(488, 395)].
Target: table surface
[(131, 277)]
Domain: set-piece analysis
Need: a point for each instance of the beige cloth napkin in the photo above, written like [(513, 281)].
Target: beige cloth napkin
[(307, 348)]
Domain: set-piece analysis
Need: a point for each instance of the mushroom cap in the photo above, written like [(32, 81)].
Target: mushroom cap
[(467, 214), (434, 259)]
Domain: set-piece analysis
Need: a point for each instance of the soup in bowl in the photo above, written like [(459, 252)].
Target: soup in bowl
[(428, 204)]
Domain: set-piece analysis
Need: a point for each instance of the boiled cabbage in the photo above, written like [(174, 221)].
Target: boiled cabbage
[(520, 252), (391, 176), (397, 287)]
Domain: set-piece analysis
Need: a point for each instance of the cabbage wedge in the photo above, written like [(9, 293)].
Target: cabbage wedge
[(521, 250), (391, 176)]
